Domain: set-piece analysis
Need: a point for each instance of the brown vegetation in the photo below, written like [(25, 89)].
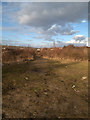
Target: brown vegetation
[(13, 54), (69, 52), (44, 88), (10, 54)]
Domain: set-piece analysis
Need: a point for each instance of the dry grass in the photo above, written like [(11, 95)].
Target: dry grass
[(44, 89), (69, 52), (17, 54), (21, 54)]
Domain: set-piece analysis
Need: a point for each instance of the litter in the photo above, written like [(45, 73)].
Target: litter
[(73, 86), (83, 78)]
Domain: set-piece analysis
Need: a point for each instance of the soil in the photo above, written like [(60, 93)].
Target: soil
[(45, 89)]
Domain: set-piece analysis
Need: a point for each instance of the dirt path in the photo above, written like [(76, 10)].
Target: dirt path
[(45, 89)]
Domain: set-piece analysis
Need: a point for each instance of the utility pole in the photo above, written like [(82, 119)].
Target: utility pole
[(29, 44), (54, 45)]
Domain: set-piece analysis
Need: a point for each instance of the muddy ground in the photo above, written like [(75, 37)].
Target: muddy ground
[(45, 89)]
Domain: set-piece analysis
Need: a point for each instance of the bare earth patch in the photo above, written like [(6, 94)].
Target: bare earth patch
[(45, 89)]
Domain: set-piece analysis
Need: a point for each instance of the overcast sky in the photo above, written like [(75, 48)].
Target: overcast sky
[(42, 24)]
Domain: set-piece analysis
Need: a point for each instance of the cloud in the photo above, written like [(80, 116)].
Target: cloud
[(45, 34), (83, 21), (70, 33), (79, 40), (10, 29), (84, 42), (55, 30), (72, 42), (63, 30), (51, 17), (45, 19), (79, 37), (47, 14)]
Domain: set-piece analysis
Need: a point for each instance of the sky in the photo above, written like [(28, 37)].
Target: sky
[(45, 24)]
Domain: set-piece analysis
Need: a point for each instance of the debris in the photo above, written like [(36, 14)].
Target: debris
[(47, 74), (76, 90), (73, 86), (46, 93), (26, 78), (35, 91), (83, 78), (75, 107), (59, 117)]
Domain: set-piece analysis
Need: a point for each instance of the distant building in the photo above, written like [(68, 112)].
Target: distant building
[(38, 49), (51, 49)]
